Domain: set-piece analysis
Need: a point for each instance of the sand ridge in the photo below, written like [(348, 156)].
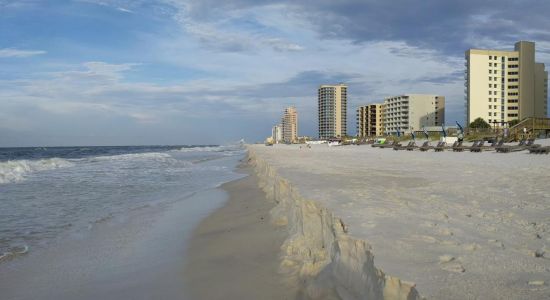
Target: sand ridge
[(459, 225)]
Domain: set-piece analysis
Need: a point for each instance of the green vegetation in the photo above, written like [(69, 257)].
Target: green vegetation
[(513, 123), (479, 123)]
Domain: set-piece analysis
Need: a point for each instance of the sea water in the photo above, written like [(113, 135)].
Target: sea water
[(104, 222)]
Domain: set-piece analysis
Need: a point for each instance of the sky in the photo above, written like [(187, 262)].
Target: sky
[(159, 72)]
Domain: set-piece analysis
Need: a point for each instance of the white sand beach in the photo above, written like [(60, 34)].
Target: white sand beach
[(458, 225)]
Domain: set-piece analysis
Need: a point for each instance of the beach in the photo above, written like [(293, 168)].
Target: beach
[(234, 252), (364, 221)]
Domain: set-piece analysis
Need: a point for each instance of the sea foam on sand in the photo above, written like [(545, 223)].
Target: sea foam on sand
[(459, 225)]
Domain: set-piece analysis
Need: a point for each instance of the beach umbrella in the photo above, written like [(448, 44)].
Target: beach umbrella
[(458, 124), (425, 133), (443, 131)]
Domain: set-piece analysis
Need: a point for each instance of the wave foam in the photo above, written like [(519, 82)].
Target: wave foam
[(14, 252), (136, 156), (17, 170)]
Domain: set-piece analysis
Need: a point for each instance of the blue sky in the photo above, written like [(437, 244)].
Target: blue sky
[(121, 72)]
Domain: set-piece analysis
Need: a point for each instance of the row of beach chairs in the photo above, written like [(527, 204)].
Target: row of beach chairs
[(477, 146)]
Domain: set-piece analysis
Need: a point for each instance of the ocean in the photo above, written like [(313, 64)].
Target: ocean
[(85, 208)]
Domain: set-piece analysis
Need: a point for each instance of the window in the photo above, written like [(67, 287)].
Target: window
[(490, 114), (490, 78), (513, 80), (490, 57), (512, 86), (512, 73), (490, 71), (513, 66), (490, 85), (490, 64)]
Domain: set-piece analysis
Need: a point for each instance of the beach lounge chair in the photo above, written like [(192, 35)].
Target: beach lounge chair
[(456, 146), (478, 147), (391, 145), (495, 144), (510, 148), (462, 147), (399, 147), (411, 146), (426, 146), (440, 147), (539, 150)]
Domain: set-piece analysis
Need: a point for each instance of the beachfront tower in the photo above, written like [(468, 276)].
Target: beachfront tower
[(277, 133), (412, 112), (369, 120), (332, 111), (502, 86), (290, 125)]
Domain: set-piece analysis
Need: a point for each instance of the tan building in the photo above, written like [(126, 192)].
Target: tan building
[(332, 111), (290, 125), (369, 120), (505, 85), (412, 112)]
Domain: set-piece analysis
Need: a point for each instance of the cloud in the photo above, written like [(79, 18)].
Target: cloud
[(12, 52), (120, 5), (447, 26), (229, 31)]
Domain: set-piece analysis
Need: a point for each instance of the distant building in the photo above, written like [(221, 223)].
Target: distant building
[(411, 112), (290, 125), (369, 120), (502, 86), (332, 111), (277, 133)]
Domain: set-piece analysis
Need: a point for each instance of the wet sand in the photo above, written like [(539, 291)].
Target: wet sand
[(234, 252)]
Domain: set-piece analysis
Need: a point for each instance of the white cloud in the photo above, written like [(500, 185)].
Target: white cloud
[(225, 33), (12, 52)]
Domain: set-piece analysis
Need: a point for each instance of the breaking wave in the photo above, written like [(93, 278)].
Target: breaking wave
[(156, 156), (18, 170)]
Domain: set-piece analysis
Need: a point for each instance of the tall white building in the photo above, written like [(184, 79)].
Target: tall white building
[(332, 111), (277, 133), (412, 112), (505, 85)]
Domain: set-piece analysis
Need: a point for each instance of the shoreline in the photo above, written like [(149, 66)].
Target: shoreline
[(234, 252)]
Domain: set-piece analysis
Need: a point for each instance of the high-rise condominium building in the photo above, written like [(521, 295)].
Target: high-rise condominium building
[(505, 85), (412, 112), (290, 125), (332, 109), (277, 133), (369, 120)]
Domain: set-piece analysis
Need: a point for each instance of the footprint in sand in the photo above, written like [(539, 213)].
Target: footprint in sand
[(424, 238), (497, 243), (450, 264), (445, 232), (471, 247)]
